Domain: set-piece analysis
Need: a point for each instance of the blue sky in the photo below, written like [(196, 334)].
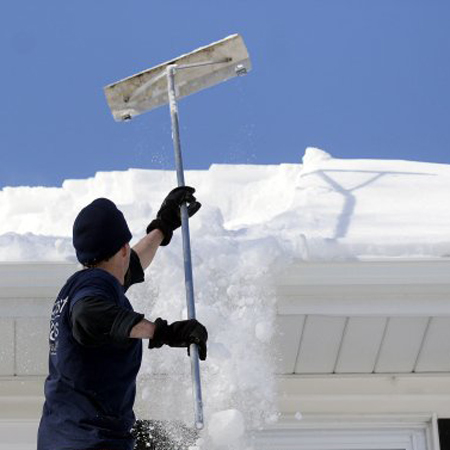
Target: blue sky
[(358, 78)]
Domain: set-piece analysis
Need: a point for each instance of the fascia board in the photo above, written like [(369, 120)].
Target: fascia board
[(33, 279), (364, 395), (381, 288), (315, 421), (353, 273)]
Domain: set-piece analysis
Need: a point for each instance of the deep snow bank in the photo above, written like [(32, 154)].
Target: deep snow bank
[(325, 208)]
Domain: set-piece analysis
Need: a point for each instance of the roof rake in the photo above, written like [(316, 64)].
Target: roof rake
[(166, 83)]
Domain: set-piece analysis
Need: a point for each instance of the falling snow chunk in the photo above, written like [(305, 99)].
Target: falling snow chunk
[(226, 427), (264, 331), (273, 418)]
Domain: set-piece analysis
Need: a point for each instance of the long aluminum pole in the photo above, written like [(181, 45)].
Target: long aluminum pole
[(189, 279)]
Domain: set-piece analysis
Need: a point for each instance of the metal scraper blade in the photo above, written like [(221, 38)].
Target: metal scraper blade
[(147, 90)]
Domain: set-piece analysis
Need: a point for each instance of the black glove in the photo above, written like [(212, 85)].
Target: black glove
[(168, 218), (180, 334)]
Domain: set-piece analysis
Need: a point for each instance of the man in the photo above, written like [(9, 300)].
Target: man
[(95, 336)]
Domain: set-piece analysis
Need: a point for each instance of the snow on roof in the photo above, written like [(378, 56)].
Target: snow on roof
[(325, 208)]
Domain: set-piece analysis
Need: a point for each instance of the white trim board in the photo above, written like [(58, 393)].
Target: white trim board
[(340, 432), (364, 394), (18, 434), (33, 280), (376, 288)]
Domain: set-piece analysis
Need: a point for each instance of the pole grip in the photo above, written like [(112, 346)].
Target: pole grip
[(188, 276)]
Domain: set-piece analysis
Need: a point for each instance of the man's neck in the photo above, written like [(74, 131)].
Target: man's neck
[(115, 271)]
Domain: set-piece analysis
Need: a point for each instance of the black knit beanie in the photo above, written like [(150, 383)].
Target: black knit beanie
[(99, 231)]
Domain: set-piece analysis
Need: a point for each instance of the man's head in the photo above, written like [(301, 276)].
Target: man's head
[(99, 232)]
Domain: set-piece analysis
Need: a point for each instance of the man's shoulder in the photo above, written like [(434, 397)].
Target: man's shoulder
[(92, 283)]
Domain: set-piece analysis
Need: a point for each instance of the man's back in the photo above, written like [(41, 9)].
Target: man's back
[(90, 390)]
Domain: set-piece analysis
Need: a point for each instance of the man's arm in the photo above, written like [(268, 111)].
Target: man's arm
[(143, 330), (146, 248), (97, 321)]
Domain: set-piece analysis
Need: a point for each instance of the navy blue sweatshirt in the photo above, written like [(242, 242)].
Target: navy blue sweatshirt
[(91, 387)]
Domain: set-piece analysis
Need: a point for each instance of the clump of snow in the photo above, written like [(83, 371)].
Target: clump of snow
[(314, 156), (226, 427), (264, 331), (272, 418), (254, 222)]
